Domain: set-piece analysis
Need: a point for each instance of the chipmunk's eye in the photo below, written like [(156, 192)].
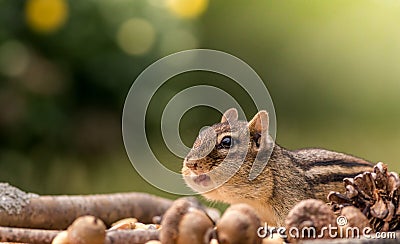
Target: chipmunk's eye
[(226, 142)]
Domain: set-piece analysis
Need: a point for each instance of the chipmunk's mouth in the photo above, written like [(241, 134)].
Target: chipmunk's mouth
[(198, 181), (202, 179)]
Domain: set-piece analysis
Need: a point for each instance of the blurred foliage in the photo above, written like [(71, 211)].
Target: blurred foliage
[(331, 67)]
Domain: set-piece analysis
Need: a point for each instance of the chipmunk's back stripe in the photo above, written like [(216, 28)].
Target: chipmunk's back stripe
[(325, 179), (347, 164)]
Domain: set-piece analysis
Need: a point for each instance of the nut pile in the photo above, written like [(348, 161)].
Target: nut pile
[(186, 223), (92, 230), (371, 200)]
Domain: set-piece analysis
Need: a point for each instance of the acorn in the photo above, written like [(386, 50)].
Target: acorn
[(193, 227), (61, 238), (87, 230), (184, 222), (239, 224)]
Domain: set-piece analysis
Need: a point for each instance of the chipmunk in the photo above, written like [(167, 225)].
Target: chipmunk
[(219, 164)]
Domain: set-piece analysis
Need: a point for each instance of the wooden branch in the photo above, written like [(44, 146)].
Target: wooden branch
[(8, 234), (131, 236), (32, 212), (58, 212)]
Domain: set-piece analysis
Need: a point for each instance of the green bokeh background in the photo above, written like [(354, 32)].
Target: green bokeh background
[(332, 69)]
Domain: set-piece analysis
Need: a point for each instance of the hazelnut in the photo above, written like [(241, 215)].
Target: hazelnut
[(87, 230), (193, 227), (239, 224), (183, 222), (214, 241), (124, 224), (61, 238), (273, 240)]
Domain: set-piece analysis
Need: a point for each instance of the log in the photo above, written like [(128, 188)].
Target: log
[(19, 209), (35, 236), (131, 236), (8, 234)]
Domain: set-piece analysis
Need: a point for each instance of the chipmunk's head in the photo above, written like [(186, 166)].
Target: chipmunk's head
[(223, 155)]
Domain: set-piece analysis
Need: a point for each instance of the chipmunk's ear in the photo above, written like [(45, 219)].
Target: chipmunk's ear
[(258, 128), (259, 123), (230, 115)]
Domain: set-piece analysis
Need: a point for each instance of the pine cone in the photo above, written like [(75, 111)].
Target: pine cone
[(376, 194)]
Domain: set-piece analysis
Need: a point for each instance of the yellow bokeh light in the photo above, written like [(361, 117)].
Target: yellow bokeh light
[(187, 8), (46, 15), (136, 36)]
